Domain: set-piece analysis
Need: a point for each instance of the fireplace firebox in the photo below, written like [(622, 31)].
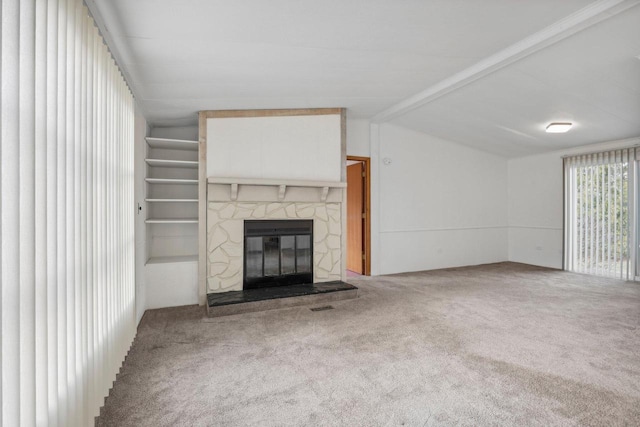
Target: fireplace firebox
[(277, 253)]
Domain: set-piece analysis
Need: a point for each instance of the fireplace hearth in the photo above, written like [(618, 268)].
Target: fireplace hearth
[(277, 253)]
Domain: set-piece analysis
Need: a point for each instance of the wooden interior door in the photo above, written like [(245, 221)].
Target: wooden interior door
[(355, 217)]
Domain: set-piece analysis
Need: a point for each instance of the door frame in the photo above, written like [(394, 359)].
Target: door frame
[(367, 212)]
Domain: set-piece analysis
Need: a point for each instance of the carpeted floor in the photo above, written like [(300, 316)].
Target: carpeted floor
[(502, 344)]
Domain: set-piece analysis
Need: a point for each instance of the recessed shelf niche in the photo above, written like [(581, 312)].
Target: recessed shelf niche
[(171, 200)]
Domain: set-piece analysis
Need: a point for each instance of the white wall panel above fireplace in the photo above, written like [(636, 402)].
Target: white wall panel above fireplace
[(288, 147)]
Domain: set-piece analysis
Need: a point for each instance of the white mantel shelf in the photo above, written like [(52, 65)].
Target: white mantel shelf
[(282, 184), (277, 182)]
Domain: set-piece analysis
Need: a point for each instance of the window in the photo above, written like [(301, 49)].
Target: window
[(600, 227)]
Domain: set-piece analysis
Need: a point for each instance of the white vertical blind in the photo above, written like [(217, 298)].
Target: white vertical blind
[(67, 309), (600, 213)]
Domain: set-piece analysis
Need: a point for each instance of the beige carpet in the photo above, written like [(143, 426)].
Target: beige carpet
[(503, 344)]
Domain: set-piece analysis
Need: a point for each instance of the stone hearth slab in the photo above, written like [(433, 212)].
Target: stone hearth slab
[(252, 300)]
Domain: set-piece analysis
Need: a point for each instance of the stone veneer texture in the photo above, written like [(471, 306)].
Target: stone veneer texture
[(225, 233)]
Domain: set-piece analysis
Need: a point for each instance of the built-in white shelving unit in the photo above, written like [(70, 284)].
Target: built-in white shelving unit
[(171, 200)]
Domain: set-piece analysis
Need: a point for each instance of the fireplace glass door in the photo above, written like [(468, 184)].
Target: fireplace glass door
[(278, 253)]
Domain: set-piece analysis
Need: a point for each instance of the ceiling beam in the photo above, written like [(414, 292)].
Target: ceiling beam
[(584, 18)]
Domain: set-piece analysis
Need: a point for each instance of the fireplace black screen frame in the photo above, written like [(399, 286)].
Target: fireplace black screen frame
[(277, 228)]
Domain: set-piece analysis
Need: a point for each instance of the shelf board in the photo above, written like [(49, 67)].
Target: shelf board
[(172, 144), (172, 163), (170, 259), (171, 220), (171, 200), (171, 181)]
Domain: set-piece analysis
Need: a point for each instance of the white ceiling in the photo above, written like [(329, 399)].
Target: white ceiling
[(591, 79), (182, 56)]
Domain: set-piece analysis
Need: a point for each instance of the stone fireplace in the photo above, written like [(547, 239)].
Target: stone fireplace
[(271, 167), (234, 204)]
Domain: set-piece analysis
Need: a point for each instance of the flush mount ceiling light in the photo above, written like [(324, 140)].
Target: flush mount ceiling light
[(559, 127)]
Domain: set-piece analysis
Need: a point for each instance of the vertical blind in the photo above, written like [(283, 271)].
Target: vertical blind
[(600, 213), (66, 204)]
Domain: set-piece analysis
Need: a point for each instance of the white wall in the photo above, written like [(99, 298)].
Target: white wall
[(440, 204), (141, 130), (358, 137), (286, 147), (535, 210), (171, 284), (536, 204)]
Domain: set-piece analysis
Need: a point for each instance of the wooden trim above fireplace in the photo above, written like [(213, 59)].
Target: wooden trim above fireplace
[(211, 114)]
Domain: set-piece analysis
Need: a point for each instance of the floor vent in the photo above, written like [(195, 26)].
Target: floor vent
[(323, 308)]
